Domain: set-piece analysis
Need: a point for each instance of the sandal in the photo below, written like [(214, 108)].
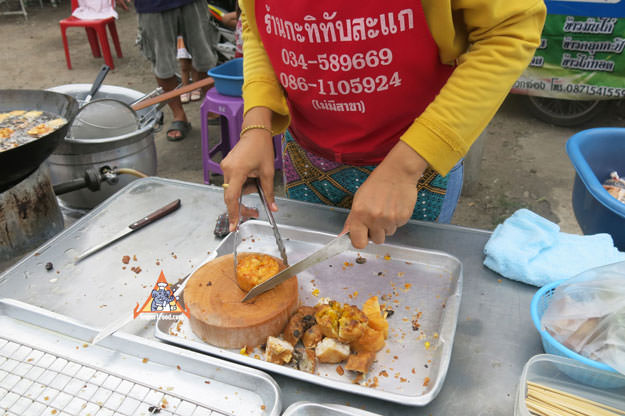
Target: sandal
[(196, 95), (181, 126), (185, 98)]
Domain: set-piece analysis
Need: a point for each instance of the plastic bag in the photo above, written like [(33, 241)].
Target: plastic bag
[(587, 315)]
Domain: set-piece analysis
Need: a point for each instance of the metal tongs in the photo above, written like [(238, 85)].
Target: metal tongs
[(272, 221)]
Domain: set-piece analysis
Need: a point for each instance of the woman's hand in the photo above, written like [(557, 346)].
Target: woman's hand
[(251, 157), (387, 198)]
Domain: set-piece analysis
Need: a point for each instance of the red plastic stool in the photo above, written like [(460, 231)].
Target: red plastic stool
[(96, 30), (231, 111)]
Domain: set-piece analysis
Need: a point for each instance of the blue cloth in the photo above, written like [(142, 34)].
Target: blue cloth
[(157, 6), (531, 249)]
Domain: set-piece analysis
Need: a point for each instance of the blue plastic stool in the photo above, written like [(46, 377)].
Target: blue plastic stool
[(231, 111)]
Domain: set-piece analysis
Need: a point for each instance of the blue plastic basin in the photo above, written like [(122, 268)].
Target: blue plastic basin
[(610, 378), (595, 153), (228, 77)]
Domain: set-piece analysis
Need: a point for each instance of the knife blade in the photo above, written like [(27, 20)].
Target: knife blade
[(148, 219), (334, 247)]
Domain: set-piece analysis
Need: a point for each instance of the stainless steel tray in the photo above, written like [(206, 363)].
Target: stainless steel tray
[(318, 409), (422, 287), (47, 368)]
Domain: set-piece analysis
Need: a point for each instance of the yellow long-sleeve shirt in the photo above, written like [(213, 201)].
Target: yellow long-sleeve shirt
[(492, 42)]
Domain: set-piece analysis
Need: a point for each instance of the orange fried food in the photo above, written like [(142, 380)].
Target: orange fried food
[(253, 269), (343, 322), (327, 317), (352, 324), (40, 130), (370, 341), (360, 362), (312, 337), (6, 132), (371, 308)]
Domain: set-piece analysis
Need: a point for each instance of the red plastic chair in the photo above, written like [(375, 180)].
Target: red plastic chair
[(96, 30)]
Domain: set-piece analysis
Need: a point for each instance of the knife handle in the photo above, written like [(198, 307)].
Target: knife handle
[(159, 213)]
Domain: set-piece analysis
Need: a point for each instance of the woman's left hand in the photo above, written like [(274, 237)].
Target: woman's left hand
[(387, 198)]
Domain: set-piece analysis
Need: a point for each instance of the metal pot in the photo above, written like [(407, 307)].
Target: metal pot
[(135, 150)]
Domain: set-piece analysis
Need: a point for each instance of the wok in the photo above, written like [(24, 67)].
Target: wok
[(19, 162)]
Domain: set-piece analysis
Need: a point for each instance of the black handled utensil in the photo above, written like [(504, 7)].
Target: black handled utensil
[(150, 218)]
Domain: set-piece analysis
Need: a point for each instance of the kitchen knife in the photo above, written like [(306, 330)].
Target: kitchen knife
[(150, 218), (334, 247)]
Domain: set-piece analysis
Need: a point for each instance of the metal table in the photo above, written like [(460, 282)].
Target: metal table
[(494, 337)]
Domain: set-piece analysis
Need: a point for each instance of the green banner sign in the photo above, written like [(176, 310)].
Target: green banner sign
[(579, 58)]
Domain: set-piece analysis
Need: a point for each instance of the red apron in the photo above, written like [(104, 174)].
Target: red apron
[(356, 73)]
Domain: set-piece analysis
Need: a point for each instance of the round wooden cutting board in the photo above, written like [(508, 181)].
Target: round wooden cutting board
[(218, 316)]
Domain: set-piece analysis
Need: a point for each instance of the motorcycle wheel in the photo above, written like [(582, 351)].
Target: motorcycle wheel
[(565, 113)]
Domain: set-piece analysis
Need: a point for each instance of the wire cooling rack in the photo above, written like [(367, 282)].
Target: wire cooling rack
[(37, 382)]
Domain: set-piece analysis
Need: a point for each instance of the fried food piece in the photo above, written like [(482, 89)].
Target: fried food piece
[(327, 317), (299, 323), (40, 130), (376, 320), (4, 116), (253, 269), (57, 122), (352, 324), (278, 351), (16, 113), (343, 322), (312, 337), (370, 341), (305, 359), (360, 362), (6, 132), (331, 351), (31, 115)]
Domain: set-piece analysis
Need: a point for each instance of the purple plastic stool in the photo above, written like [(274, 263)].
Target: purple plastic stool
[(231, 111)]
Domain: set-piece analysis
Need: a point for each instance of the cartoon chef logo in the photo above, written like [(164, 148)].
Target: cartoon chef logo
[(161, 299)]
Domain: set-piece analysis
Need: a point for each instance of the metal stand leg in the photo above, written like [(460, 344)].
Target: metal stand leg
[(22, 11)]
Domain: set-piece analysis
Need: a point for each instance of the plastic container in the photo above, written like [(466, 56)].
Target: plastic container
[(595, 153), (608, 376), (552, 371), (228, 77)]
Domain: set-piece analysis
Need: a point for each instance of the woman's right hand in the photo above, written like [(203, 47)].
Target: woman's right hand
[(252, 156)]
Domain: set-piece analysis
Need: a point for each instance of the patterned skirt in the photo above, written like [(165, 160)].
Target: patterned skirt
[(311, 178)]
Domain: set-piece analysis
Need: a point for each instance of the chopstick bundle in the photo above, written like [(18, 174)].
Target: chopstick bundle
[(547, 401)]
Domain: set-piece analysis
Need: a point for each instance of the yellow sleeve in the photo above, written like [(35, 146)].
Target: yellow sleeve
[(260, 85), (502, 36)]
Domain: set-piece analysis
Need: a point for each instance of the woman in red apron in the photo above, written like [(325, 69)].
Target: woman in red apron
[(381, 100)]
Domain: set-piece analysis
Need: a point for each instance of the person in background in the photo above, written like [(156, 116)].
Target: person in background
[(378, 101), (160, 23), (238, 35), (187, 73)]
